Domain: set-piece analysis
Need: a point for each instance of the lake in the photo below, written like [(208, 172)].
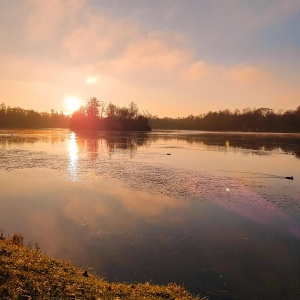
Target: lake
[(213, 212)]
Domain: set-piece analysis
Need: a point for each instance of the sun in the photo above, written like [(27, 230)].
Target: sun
[(72, 104)]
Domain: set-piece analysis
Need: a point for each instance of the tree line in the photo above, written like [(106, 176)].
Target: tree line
[(16, 117), (250, 120), (95, 115)]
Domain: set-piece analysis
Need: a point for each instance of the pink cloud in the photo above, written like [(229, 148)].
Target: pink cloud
[(102, 207), (157, 49), (204, 72), (99, 38), (196, 71), (46, 18), (118, 47), (246, 75)]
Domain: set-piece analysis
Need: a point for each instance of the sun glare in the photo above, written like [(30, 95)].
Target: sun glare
[(72, 104)]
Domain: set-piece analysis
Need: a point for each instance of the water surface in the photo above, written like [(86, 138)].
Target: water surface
[(211, 211)]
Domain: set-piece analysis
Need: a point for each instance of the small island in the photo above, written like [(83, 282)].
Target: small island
[(90, 117)]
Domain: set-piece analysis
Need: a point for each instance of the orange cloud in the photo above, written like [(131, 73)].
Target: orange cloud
[(46, 18), (202, 71), (196, 71), (100, 38), (118, 207), (159, 50), (246, 75)]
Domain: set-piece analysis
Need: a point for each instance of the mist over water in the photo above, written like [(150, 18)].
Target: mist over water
[(212, 211)]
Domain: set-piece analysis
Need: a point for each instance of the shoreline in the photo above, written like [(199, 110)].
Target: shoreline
[(29, 274)]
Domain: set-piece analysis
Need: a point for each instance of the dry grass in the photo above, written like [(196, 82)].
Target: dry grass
[(29, 274)]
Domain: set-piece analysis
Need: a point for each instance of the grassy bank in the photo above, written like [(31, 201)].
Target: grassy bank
[(29, 274)]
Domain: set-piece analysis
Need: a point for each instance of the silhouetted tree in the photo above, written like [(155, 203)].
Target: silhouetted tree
[(261, 119), (92, 107), (16, 117), (117, 118), (111, 110)]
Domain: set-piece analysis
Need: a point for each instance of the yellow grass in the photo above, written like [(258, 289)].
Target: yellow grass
[(29, 274)]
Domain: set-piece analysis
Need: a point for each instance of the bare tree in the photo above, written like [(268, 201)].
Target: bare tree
[(92, 107)]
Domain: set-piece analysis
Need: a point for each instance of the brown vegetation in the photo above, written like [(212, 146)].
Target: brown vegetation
[(29, 274)]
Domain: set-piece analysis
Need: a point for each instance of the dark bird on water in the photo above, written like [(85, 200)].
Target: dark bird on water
[(290, 177)]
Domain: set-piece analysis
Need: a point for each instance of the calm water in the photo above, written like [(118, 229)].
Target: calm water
[(211, 211)]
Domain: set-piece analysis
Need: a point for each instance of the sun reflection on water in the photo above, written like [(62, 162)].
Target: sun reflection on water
[(73, 156)]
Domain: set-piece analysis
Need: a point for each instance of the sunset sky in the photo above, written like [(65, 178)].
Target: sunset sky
[(172, 58)]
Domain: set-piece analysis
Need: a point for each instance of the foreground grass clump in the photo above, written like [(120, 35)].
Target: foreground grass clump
[(29, 274)]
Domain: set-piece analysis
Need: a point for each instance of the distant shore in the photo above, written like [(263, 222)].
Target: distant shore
[(28, 274)]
